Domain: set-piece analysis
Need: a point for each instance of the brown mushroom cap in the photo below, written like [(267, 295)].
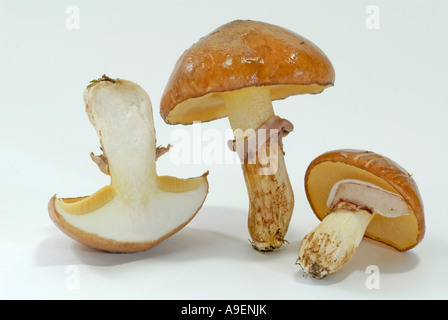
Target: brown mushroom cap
[(402, 233), (237, 55)]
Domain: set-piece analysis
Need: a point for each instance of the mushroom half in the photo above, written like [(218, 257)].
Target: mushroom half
[(355, 194), (138, 209), (236, 71)]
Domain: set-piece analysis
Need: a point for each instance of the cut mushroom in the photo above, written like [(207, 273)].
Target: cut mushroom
[(356, 194), (237, 71), (139, 208)]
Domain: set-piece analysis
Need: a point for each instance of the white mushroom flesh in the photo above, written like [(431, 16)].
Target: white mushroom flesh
[(138, 205), (370, 196)]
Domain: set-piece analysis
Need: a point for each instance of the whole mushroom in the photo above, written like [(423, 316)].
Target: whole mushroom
[(138, 209), (358, 193), (236, 71)]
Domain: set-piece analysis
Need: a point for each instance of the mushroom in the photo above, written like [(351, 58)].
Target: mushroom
[(237, 71), (138, 209), (355, 194)]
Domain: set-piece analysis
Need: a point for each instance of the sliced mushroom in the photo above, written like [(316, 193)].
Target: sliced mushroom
[(355, 194), (138, 209), (237, 71)]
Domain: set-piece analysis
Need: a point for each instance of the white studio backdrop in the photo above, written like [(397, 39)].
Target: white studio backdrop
[(389, 97)]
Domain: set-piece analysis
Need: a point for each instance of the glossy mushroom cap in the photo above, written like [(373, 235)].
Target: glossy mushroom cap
[(237, 55), (403, 232)]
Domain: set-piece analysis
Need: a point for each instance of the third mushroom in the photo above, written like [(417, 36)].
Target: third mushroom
[(237, 71), (358, 193)]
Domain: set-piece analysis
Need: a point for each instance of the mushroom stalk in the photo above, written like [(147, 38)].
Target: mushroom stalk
[(128, 145), (332, 243), (271, 196)]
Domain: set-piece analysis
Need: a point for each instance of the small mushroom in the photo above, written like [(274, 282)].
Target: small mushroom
[(355, 194), (138, 209), (237, 71)]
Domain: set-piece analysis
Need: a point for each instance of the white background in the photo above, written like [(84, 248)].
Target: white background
[(390, 97)]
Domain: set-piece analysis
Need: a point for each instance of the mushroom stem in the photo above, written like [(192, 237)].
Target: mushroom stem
[(332, 243), (124, 123), (270, 193)]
